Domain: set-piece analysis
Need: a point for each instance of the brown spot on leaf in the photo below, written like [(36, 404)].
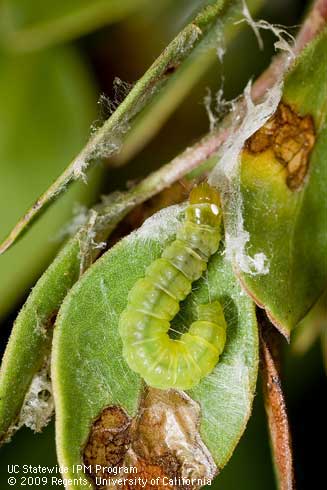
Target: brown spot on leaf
[(167, 433), (108, 441), (162, 442), (291, 137), (147, 472)]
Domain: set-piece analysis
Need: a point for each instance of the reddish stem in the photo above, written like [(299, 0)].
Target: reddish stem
[(279, 430)]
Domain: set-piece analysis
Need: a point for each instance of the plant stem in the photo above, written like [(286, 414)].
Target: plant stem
[(280, 437), (108, 139), (143, 92)]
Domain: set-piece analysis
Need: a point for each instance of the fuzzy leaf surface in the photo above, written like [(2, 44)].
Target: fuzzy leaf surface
[(30, 340), (89, 372), (284, 213)]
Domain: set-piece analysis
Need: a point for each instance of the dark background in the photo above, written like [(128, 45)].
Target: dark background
[(125, 49)]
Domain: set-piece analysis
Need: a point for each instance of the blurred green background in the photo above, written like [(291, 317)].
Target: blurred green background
[(56, 60)]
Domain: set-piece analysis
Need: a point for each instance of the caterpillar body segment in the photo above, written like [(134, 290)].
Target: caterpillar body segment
[(154, 301)]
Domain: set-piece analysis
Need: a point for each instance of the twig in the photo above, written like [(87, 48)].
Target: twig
[(207, 146), (311, 27), (275, 406), (106, 141), (210, 144)]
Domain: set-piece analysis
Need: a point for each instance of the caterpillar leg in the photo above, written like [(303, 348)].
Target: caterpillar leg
[(154, 301)]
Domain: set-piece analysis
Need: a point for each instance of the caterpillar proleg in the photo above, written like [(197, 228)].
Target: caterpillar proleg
[(154, 301)]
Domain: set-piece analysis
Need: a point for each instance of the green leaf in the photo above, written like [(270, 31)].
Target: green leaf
[(29, 343), (89, 372), (30, 340), (284, 207), (34, 24), (47, 103), (38, 313), (108, 139)]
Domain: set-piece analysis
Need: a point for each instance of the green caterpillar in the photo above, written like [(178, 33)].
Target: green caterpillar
[(154, 301)]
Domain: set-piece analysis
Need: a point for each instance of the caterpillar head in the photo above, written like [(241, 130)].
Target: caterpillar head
[(205, 205), (204, 193)]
